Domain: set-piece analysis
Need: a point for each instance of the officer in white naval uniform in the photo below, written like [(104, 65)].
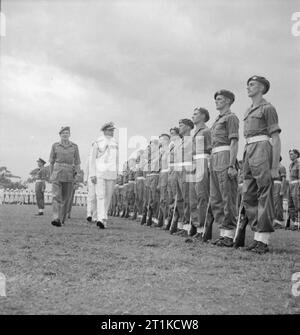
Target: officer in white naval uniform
[(103, 171)]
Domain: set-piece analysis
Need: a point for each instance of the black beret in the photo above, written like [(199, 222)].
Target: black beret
[(64, 128), (226, 94), (203, 111), (41, 160), (187, 122), (295, 151), (261, 80)]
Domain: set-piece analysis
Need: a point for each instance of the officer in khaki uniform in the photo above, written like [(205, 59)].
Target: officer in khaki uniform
[(64, 165), (40, 185), (163, 178), (278, 192), (199, 186), (261, 163), (294, 190), (223, 176)]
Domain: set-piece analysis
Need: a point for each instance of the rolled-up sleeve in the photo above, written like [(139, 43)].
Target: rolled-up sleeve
[(271, 118), (233, 127)]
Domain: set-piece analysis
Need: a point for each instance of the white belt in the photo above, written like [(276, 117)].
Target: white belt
[(183, 164), (294, 181), (221, 148), (165, 170), (153, 174), (140, 178), (131, 181), (39, 180), (199, 156), (125, 184), (258, 138), (277, 182)]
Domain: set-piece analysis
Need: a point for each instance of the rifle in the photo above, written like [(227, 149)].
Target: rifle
[(207, 229), (240, 233)]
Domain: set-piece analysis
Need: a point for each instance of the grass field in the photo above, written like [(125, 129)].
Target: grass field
[(132, 269)]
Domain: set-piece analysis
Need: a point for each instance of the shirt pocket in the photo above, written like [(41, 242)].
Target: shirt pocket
[(256, 121), (220, 128)]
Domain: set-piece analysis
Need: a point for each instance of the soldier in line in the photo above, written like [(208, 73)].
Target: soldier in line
[(131, 188), (172, 183), (199, 186), (261, 163), (140, 183), (182, 168), (294, 191), (64, 165), (146, 174), (278, 192), (153, 177), (40, 185), (163, 179), (223, 174)]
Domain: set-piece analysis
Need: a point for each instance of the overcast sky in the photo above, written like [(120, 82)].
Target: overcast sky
[(142, 64)]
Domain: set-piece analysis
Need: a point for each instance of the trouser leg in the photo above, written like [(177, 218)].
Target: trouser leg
[(56, 199), (278, 202), (109, 188), (258, 188), (67, 189)]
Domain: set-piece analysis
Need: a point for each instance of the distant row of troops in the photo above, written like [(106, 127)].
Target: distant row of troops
[(184, 182), (38, 196)]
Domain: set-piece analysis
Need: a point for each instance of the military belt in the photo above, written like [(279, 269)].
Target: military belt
[(221, 148), (294, 181), (199, 156), (258, 138), (277, 182)]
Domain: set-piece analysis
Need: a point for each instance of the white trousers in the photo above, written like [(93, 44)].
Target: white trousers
[(91, 206), (104, 192)]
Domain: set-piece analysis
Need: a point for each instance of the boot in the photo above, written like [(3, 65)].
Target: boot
[(149, 219), (160, 222), (144, 217)]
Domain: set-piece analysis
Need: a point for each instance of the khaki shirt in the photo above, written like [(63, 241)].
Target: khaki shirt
[(261, 120), (204, 146), (282, 172), (225, 128), (42, 174), (295, 170), (65, 159)]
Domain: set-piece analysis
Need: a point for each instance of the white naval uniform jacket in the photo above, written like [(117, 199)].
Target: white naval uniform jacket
[(104, 158)]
